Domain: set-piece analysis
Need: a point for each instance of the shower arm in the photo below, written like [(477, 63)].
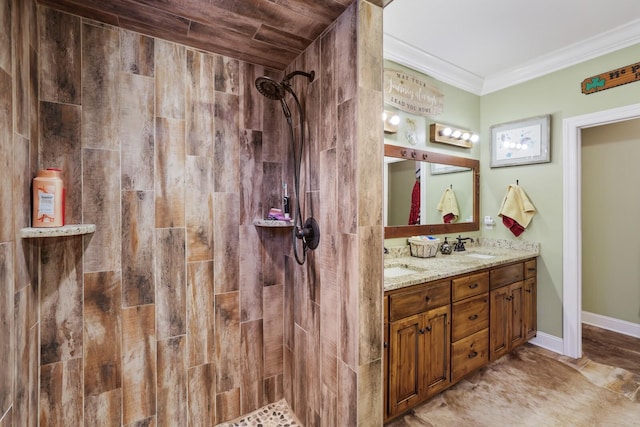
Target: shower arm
[(309, 76)]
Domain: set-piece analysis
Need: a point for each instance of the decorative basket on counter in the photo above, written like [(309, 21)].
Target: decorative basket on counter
[(423, 248)]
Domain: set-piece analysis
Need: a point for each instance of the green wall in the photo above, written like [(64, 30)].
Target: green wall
[(557, 94), (610, 231)]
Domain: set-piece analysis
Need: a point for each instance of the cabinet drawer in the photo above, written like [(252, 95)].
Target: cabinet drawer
[(420, 299), (469, 354), (473, 284), (530, 269), (469, 316), (505, 275)]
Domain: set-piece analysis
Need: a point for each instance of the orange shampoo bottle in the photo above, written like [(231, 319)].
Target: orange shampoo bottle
[(48, 199)]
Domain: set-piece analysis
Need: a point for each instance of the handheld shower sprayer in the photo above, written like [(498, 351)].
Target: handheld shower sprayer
[(309, 232)]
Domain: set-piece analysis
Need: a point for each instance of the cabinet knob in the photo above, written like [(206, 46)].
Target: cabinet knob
[(509, 298), (472, 354), (473, 286), (473, 317), (386, 345), (428, 328), (421, 330), (427, 298), (528, 290)]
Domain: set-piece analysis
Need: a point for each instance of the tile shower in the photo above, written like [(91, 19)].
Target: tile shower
[(178, 310)]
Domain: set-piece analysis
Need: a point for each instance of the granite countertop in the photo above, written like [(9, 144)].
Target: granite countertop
[(443, 266)]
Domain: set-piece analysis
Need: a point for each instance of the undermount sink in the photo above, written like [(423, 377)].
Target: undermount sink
[(391, 272), (480, 256)]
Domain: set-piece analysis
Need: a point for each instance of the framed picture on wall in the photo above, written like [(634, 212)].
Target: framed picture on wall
[(521, 142)]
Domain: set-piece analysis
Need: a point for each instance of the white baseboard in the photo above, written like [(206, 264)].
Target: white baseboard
[(549, 342), (611, 324)]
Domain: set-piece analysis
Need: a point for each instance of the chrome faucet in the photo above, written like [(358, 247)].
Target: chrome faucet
[(459, 245)]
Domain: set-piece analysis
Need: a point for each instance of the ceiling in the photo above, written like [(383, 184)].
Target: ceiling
[(483, 46), (265, 32)]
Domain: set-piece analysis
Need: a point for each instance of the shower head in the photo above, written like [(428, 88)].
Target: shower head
[(270, 88), (276, 90)]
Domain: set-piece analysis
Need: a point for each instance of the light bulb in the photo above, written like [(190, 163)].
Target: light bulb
[(524, 146), (474, 138), (447, 131), (505, 144), (466, 136), (512, 145), (456, 134), (384, 116), (394, 120)]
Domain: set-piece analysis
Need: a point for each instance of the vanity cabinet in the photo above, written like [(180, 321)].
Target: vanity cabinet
[(419, 344), (436, 333)]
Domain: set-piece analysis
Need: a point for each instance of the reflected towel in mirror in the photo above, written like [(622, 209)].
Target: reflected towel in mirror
[(448, 205), (414, 211)]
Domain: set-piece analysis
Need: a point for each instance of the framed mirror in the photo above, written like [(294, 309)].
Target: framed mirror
[(420, 178)]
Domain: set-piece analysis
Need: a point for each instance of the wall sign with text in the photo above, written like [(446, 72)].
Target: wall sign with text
[(412, 93), (613, 78)]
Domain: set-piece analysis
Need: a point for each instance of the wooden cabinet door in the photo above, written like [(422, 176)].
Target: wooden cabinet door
[(516, 315), (530, 308), (386, 370), (507, 318), (436, 332), (405, 369), (499, 322), (385, 356)]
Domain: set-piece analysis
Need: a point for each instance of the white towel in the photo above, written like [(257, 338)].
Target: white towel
[(516, 205), (448, 205)]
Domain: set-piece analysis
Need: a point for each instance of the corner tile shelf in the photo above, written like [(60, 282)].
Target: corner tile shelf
[(65, 230), (272, 223)]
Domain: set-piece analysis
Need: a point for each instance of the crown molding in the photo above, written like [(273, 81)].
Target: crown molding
[(607, 42), (403, 53)]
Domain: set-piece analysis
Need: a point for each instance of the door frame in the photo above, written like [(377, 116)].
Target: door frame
[(572, 219)]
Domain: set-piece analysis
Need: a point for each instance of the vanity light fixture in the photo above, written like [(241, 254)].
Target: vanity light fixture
[(451, 135), (391, 121)]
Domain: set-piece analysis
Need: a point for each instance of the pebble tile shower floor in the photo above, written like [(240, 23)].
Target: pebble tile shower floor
[(274, 415)]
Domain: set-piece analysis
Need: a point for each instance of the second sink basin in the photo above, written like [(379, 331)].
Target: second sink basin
[(480, 256), (398, 271)]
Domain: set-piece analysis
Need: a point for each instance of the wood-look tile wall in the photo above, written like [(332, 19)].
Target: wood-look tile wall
[(161, 316), (177, 310), (19, 320), (333, 306)]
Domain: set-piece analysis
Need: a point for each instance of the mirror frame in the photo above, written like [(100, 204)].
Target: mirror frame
[(446, 159)]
